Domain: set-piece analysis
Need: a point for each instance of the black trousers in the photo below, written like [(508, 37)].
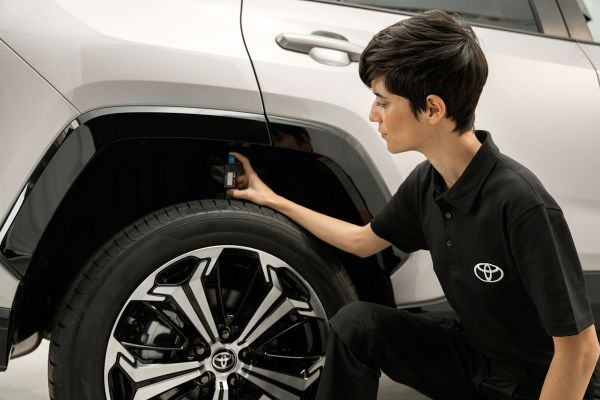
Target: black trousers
[(430, 355)]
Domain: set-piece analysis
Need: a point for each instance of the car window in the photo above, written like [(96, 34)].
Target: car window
[(591, 11), (513, 14)]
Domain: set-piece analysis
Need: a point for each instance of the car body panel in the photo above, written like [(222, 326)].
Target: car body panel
[(593, 52), (32, 114), (187, 53)]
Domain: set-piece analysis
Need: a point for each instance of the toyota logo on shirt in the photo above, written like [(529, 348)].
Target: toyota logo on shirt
[(488, 273)]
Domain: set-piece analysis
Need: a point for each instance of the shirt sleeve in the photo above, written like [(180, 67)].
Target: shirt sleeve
[(399, 222), (549, 266)]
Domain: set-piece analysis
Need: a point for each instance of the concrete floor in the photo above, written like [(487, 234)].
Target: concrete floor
[(26, 380)]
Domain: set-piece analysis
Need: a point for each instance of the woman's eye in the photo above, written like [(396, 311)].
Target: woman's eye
[(380, 104)]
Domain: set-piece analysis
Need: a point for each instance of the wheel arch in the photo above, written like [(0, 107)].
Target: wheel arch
[(94, 165)]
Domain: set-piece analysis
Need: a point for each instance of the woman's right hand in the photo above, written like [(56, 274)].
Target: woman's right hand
[(249, 186)]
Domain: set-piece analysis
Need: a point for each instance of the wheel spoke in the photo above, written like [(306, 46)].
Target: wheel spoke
[(114, 348), (271, 389), (221, 388), (267, 260), (148, 392), (285, 357), (177, 293), (262, 309), (219, 294), (317, 365), (165, 319), (300, 383), (284, 308), (246, 294), (150, 347), (211, 254), (168, 376), (198, 294), (278, 334), (143, 372)]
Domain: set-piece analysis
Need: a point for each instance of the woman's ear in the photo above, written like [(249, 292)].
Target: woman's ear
[(435, 108)]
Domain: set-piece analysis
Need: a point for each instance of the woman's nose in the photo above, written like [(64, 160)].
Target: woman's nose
[(374, 114)]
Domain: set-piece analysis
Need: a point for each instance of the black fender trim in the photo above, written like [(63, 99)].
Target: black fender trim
[(75, 147), (4, 335)]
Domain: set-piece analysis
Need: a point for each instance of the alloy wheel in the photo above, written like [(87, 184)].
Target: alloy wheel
[(222, 322)]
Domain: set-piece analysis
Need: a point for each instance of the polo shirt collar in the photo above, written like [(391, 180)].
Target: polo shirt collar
[(463, 193)]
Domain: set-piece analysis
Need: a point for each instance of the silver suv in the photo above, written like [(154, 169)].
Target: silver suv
[(117, 241)]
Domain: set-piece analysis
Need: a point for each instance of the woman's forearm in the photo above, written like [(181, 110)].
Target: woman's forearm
[(570, 370), (341, 234)]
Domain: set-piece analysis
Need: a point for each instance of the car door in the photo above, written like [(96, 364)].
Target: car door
[(590, 41), (540, 101)]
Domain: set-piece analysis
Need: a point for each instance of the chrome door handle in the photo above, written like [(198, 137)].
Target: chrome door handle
[(305, 43)]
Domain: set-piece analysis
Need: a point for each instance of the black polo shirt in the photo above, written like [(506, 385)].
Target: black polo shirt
[(501, 250)]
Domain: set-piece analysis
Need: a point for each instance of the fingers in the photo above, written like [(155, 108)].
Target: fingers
[(237, 194), (244, 160), (241, 181), (246, 184)]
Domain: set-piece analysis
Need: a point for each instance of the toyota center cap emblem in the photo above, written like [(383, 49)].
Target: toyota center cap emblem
[(223, 360), (488, 273)]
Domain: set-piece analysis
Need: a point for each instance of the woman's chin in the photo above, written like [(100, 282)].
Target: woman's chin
[(395, 148)]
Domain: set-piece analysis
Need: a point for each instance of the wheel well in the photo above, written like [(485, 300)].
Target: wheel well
[(126, 179)]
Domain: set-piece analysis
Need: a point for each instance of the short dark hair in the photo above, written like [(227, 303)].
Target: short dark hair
[(432, 53)]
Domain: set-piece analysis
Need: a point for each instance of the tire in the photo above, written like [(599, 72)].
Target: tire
[(144, 320)]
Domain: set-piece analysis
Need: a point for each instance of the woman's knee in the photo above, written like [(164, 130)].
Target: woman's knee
[(351, 316), (361, 325)]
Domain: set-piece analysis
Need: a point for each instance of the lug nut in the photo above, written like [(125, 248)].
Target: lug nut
[(244, 353), (225, 333), (206, 378), (233, 380), (200, 349)]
